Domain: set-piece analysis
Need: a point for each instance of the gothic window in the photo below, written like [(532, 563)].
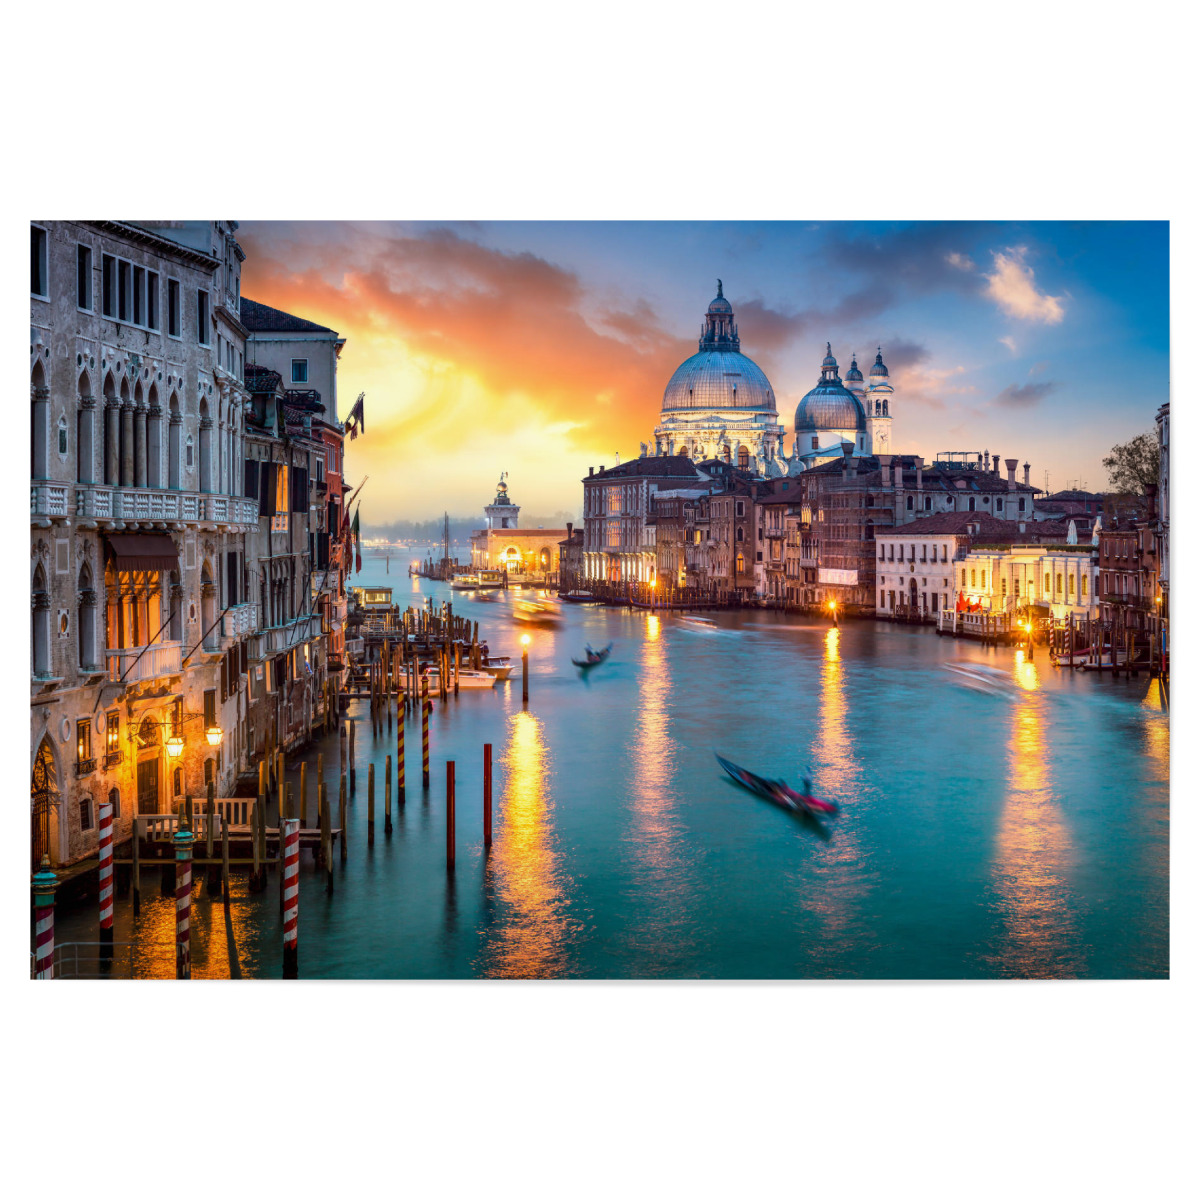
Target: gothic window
[(147, 735)]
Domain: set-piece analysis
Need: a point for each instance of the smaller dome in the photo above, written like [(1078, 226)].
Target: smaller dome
[(854, 375), (879, 370), (829, 360)]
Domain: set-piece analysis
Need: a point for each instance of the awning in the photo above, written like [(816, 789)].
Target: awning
[(143, 551)]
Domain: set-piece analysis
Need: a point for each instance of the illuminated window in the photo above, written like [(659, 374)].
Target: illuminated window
[(1046, 589), (1083, 586), (1058, 583), (83, 740), (964, 582), (1070, 585), (972, 576)]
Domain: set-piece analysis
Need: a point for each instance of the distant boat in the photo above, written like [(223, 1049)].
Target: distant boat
[(704, 623), (501, 668), (594, 657), (578, 597), (464, 583), (489, 580), (466, 679)]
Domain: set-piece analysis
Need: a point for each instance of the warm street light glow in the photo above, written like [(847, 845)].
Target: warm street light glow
[(174, 746), (832, 605), (214, 735), (524, 639)]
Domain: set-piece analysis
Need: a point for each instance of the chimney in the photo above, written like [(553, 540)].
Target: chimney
[(591, 471), (920, 475), (1011, 464), (847, 453), (987, 460), (1026, 474), (570, 526), (885, 463)]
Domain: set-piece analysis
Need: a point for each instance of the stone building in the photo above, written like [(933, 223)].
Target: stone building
[(570, 560), (1127, 567), (139, 613), (1162, 518), (504, 546)]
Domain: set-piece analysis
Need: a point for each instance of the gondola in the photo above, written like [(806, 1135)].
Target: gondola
[(778, 792), (594, 657)]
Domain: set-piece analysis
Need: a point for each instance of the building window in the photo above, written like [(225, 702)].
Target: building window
[(174, 319), (1083, 586), (970, 504), (114, 798), (151, 299), (1058, 583), (210, 708), (964, 582), (112, 732), (139, 295), (108, 285), (1021, 504), (908, 504), (1070, 585), (972, 577), (202, 318), (177, 781), (1000, 505), (85, 814), (39, 263), (299, 370), (741, 510), (124, 288), (928, 503), (1047, 588), (189, 456), (83, 740), (83, 277)]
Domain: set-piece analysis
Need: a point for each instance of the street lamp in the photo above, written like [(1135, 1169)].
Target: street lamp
[(524, 668), (214, 733), (174, 746)]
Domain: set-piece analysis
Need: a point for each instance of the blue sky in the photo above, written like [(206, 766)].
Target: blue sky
[(542, 348)]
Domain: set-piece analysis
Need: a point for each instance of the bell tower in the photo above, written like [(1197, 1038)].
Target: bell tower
[(878, 404)]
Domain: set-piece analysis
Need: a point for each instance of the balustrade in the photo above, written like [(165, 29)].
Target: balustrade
[(137, 664)]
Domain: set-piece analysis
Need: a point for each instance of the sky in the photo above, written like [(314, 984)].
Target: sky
[(543, 348)]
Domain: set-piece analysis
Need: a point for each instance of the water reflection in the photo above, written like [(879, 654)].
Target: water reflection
[(833, 883), (531, 934), (665, 935), (1033, 853)]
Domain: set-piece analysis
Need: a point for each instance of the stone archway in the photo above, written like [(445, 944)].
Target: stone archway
[(44, 798)]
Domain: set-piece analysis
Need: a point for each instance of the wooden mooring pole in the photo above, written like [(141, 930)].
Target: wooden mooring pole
[(342, 816), (371, 804), (487, 794), (352, 771), (387, 798), (450, 815)]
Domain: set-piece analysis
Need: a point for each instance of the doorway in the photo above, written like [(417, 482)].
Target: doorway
[(43, 794), (147, 786)]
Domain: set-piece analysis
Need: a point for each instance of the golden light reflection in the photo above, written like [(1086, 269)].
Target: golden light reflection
[(665, 932), (530, 940), (833, 883), (1033, 858), (1025, 673), (1157, 731)]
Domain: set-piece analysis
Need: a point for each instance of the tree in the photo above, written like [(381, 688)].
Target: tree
[(1133, 466)]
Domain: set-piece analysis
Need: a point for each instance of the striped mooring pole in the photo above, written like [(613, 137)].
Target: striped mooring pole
[(183, 901), (399, 759), (44, 883), (291, 897), (106, 876), (426, 709)]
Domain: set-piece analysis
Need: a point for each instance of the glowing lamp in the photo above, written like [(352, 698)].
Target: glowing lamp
[(174, 746), (524, 639), (214, 735)]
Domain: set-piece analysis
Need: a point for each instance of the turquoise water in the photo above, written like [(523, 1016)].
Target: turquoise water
[(1016, 832)]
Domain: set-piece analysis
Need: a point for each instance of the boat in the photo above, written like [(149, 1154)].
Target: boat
[(593, 657), (981, 678), (489, 580), (501, 667), (578, 597), (466, 679), (536, 612), (692, 622), (464, 583), (778, 792)]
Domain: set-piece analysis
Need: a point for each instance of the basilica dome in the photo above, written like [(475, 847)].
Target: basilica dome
[(719, 376), (829, 406)]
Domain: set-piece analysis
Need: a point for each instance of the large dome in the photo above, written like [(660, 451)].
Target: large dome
[(829, 406), (720, 375), (719, 379)]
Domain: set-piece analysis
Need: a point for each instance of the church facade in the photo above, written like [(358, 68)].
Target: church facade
[(504, 546)]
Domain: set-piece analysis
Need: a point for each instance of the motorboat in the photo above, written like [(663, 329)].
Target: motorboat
[(466, 679), (578, 597), (500, 668), (701, 623), (593, 658), (536, 612), (464, 583), (489, 580)]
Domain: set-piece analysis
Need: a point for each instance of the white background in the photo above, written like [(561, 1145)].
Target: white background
[(618, 110)]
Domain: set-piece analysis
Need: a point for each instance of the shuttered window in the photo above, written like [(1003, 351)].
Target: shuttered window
[(231, 578), (250, 488), (266, 490)]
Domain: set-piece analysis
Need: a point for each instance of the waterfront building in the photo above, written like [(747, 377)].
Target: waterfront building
[(1162, 519), (570, 560), (720, 404), (781, 519), (503, 546), (616, 503), (1127, 567), (140, 618), (305, 355)]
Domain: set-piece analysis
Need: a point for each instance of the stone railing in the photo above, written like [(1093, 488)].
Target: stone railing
[(48, 500), (240, 620), (137, 664), (102, 503)]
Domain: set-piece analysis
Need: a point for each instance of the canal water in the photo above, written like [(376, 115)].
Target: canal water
[(1011, 825)]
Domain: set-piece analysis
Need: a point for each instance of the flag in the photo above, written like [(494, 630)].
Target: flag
[(357, 421), (357, 544)]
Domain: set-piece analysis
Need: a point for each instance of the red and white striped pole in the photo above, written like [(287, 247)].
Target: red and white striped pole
[(106, 875), (291, 897), (183, 899), (44, 883)]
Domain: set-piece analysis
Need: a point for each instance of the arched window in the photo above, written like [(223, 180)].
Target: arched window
[(208, 606), (174, 442), (112, 431), (743, 457), (175, 601), (84, 456), (153, 439), (39, 399), (86, 620), (739, 533), (41, 624), (908, 503), (1058, 583), (206, 428)]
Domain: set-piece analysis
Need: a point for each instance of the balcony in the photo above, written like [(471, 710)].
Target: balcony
[(97, 502), (140, 664), (85, 766), (239, 621), (114, 758), (46, 501), (281, 638)]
